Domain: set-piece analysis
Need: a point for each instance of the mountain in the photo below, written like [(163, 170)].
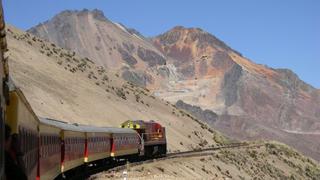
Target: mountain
[(252, 101), (200, 74), (108, 44), (60, 84)]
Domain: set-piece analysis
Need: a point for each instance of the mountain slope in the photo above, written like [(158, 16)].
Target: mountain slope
[(59, 84), (271, 161), (243, 99)]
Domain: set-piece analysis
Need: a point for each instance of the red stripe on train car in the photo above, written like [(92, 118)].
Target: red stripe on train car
[(86, 152), (62, 155), (38, 156), (112, 147)]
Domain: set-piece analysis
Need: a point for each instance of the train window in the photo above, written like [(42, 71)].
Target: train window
[(28, 140)]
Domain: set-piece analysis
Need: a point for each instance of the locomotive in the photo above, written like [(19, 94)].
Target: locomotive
[(153, 135)]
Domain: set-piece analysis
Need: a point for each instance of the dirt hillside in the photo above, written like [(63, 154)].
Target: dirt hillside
[(61, 85), (271, 161)]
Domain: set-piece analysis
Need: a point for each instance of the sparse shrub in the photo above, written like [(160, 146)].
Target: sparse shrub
[(160, 169), (75, 60), (120, 93), (253, 154), (218, 167), (203, 143), (105, 78), (137, 96)]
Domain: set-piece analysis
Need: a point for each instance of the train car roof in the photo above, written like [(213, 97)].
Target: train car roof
[(60, 124), (83, 128), (88, 128), (120, 130)]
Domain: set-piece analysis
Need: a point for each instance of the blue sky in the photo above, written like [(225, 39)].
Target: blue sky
[(280, 34)]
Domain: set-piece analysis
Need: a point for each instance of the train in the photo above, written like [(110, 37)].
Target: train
[(47, 148), (53, 148)]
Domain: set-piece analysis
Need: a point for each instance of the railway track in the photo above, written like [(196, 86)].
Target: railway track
[(193, 153)]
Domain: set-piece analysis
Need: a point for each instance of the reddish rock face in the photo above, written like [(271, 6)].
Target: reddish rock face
[(257, 101), (251, 101)]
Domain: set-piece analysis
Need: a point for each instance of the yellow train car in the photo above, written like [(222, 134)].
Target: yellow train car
[(72, 144), (50, 151), (124, 142), (97, 143), (25, 137)]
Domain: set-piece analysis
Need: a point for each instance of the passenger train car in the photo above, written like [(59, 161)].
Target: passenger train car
[(24, 126)]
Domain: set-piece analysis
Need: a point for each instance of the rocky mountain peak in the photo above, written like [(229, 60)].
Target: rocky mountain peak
[(96, 13), (197, 36)]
